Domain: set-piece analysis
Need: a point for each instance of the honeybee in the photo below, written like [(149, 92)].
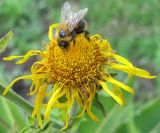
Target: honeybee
[(71, 25)]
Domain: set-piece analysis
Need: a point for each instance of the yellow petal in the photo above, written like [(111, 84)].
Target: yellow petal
[(24, 57), (28, 55), (142, 73), (31, 87), (37, 85), (124, 68), (70, 103), (123, 86), (119, 67), (11, 58), (122, 60), (50, 32), (50, 103), (56, 94), (96, 36), (105, 87), (60, 105), (38, 103), (39, 99), (135, 71), (14, 81), (93, 117), (66, 125), (88, 107), (80, 115), (57, 105), (84, 108), (78, 99), (118, 92), (39, 118)]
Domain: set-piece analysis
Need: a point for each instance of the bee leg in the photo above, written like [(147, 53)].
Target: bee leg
[(74, 37), (51, 28), (86, 33)]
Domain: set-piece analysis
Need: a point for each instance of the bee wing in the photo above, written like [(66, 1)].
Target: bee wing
[(66, 12), (75, 18)]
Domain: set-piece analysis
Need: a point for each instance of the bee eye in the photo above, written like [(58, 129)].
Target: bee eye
[(62, 33)]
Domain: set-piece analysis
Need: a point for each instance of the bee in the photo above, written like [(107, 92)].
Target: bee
[(71, 24)]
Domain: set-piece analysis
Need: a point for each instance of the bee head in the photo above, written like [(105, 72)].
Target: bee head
[(63, 44), (62, 34)]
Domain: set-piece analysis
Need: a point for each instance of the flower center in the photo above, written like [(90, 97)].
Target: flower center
[(79, 64)]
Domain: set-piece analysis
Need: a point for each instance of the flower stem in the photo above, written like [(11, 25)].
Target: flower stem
[(8, 111), (18, 100), (24, 104), (4, 124)]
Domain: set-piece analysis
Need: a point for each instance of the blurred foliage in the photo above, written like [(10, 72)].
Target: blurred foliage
[(132, 28), (5, 40)]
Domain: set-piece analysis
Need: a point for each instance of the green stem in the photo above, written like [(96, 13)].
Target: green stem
[(25, 105), (18, 100), (8, 111), (25, 129), (4, 124)]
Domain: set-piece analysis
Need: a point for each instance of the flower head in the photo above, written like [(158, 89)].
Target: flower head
[(76, 73)]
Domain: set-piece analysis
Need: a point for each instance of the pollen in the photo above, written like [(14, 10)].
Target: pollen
[(76, 74), (78, 65)]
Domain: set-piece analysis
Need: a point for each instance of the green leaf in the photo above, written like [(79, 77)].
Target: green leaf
[(115, 119), (97, 103), (5, 40), (31, 120), (47, 128), (130, 126), (17, 99), (4, 126), (17, 113), (156, 129), (148, 116), (146, 119), (7, 110), (10, 114), (26, 129), (4, 120)]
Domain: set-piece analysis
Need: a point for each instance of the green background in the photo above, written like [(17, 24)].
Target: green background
[(133, 29)]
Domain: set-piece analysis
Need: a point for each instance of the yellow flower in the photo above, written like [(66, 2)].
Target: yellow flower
[(76, 74)]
